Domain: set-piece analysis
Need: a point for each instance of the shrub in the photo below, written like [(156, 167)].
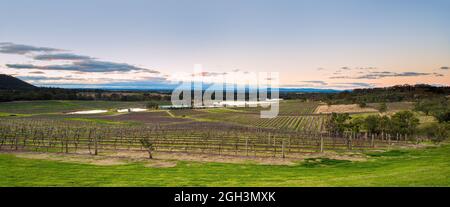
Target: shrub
[(152, 105), (382, 107)]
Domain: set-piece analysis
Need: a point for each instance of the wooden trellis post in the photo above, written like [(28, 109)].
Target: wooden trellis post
[(321, 143), (16, 140), (372, 143), (246, 146), (274, 147), (96, 144)]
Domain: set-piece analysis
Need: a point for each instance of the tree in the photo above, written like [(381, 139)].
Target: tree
[(372, 124), (432, 106), (338, 123), (382, 107), (362, 104), (356, 124), (148, 144), (442, 115), (404, 122), (385, 124), (437, 132)]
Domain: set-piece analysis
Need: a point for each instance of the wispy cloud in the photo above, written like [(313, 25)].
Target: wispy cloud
[(11, 48), (61, 56), (80, 63), (35, 79), (383, 74), (444, 68), (323, 83), (57, 80), (354, 84), (209, 74), (36, 72), (85, 66), (326, 85)]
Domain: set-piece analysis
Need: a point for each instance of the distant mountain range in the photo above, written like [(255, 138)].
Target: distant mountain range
[(8, 82), (14, 89), (13, 83)]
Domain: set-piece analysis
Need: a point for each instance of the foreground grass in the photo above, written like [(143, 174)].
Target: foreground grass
[(424, 167)]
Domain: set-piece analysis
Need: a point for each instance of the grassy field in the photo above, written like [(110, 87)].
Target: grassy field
[(42, 107), (419, 167), (414, 167)]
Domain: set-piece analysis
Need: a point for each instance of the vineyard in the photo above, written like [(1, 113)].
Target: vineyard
[(289, 108), (297, 123), (67, 137), (221, 131), (161, 147), (293, 115)]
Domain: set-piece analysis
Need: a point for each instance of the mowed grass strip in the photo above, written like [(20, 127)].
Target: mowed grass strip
[(419, 167)]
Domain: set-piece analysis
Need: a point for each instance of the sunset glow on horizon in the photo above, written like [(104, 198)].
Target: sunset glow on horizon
[(312, 44)]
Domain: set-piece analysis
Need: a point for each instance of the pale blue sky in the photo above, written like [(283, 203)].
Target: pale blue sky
[(294, 38)]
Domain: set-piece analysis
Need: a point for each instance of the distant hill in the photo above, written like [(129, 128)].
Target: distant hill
[(8, 82), (308, 90), (373, 95)]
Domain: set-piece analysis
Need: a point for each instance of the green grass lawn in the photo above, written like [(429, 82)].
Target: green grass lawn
[(422, 167)]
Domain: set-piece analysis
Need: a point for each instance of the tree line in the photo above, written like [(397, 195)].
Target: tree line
[(80, 94), (375, 95), (403, 124)]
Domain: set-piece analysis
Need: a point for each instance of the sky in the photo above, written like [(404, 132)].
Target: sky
[(337, 44)]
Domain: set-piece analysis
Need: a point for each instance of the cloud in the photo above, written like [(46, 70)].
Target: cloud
[(383, 74), (80, 63), (103, 82), (208, 74), (315, 82), (444, 68), (355, 84), (85, 66), (37, 72), (11, 48), (366, 68), (344, 85), (39, 78), (61, 56), (340, 77), (299, 85)]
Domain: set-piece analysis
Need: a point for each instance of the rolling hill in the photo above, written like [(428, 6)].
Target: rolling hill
[(8, 82)]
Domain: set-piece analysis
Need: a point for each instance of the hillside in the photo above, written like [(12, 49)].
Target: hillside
[(11, 83), (370, 95)]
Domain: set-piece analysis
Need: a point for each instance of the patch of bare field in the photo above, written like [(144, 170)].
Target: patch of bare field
[(72, 158), (170, 159), (100, 160), (416, 146), (343, 108), (356, 157), (239, 159)]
